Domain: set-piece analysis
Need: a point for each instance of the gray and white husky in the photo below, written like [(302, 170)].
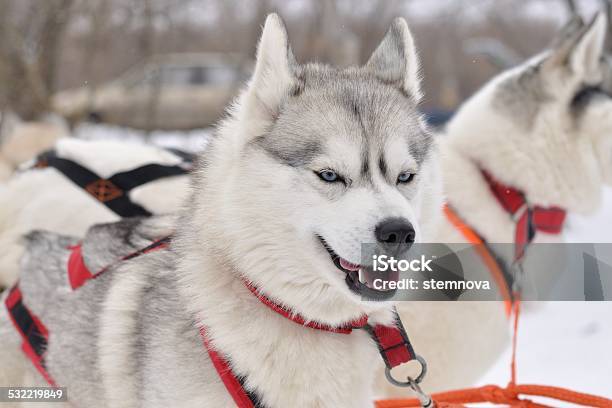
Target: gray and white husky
[(556, 101), (312, 161)]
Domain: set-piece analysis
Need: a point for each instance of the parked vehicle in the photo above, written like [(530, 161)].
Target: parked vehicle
[(176, 91)]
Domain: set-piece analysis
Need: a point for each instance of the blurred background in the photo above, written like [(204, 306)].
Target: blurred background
[(174, 64)]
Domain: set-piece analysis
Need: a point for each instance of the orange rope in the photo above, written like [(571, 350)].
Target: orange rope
[(510, 395), (517, 311), (503, 396), (484, 253)]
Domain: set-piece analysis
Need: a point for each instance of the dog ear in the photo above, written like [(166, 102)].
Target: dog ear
[(274, 74), (570, 30), (582, 53), (395, 60)]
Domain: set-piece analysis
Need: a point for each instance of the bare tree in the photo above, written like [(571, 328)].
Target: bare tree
[(32, 35)]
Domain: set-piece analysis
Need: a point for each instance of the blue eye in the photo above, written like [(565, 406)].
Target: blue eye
[(328, 175), (405, 177)]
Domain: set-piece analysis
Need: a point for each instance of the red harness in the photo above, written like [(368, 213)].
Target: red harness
[(392, 341), (528, 219)]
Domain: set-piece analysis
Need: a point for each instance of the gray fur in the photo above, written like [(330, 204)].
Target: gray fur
[(46, 292), (298, 154), (106, 243), (522, 96), (388, 62), (352, 103)]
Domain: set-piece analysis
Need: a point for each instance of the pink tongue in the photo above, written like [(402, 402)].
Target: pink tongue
[(348, 266)]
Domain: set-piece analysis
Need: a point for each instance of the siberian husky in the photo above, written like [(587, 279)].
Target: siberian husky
[(312, 162), (543, 128), (459, 342)]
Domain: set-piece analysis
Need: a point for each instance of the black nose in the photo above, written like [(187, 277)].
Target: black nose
[(395, 231)]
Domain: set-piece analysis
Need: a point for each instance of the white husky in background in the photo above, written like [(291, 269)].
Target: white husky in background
[(541, 128), (45, 199), (311, 163)]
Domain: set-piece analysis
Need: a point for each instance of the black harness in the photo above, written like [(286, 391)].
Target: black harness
[(113, 192)]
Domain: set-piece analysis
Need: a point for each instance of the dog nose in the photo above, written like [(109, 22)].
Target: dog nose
[(394, 231)]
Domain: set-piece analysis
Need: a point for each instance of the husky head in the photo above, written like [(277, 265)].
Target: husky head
[(596, 101), (312, 163), (537, 126)]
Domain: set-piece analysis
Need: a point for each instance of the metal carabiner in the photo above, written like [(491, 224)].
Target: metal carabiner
[(424, 398), (413, 383)]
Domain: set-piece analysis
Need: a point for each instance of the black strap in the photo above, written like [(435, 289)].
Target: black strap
[(251, 394), (32, 331), (139, 176), (29, 329), (112, 192), (159, 244)]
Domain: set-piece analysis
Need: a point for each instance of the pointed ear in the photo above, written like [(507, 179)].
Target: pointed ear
[(274, 74), (589, 50), (582, 53), (395, 60), (568, 31)]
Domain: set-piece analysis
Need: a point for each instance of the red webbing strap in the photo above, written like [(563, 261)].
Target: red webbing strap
[(549, 219), (509, 197), (33, 332), (79, 273), (295, 317), (528, 219), (232, 384), (393, 343), (522, 233), (515, 204)]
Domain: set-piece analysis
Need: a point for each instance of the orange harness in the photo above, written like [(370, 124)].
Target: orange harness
[(511, 394)]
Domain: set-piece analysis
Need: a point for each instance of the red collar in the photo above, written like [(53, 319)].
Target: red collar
[(528, 218), (392, 341), (347, 328)]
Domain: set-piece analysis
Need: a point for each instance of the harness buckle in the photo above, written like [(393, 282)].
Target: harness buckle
[(519, 213), (104, 190)]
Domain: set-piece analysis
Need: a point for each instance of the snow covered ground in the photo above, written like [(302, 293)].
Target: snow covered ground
[(566, 344)]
